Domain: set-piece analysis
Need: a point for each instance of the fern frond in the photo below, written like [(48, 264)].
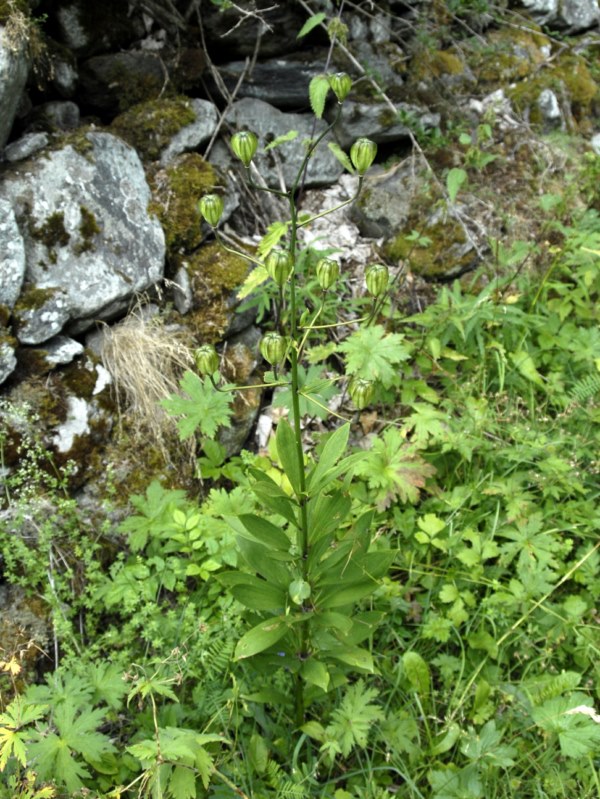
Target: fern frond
[(585, 389), (547, 688)]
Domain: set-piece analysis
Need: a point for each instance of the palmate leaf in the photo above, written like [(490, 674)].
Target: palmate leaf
[(394, 469), (373, 354), (578, 735), (204, 408), (354, 718)]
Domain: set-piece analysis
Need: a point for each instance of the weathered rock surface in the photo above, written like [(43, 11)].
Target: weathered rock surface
[(284, 161), (576, 15), (89, 241), (376, 121), (14, 68), (12, 258)]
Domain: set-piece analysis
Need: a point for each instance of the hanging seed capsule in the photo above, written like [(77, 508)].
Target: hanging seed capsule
[(362, 154), (377, 277), (340, 83), (278, 264), (273, 348), (207, 360), (361, 392), (211, 208), (328, 272), (244, 144)]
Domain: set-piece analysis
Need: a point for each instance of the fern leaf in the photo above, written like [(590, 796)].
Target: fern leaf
[(585, 389)]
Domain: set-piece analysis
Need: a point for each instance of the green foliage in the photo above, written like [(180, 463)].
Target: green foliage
[(201, 409)]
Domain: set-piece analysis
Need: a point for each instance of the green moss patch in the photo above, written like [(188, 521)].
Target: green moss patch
[(176, 191), (150, 126), (214, 274), (443, 257)]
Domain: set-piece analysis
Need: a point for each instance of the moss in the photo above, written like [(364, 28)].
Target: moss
[(33, 298), (88, 228), (570, 78), (214, 274), (150, 126), (4, 315), (509, 54), (52, 233), (427, 64), (176, 191), (443, 257)]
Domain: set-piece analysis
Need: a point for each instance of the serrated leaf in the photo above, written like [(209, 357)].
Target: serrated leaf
[(373, 354), (256, 278), (311, 23), (275, 232), (341, 156), (317, 93), (202, 408), (289, 136)]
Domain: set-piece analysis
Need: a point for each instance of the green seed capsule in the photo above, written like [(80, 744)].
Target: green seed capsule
[(207, 360), (279, 266), (328, 272), (362, 154), (377, 278), (273, 348), (211, 208), (244, 144), (341, 83), (361, 392)]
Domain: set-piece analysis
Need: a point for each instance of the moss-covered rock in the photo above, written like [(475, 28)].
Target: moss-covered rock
[(150, 126), (443, 252), (214, 275), (176, 190)]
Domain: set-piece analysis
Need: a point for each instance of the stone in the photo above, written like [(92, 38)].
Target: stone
[(575, 15), (194, 135), (285, 161), (89, 239), (385, 201), (87, 28), (14, 68), (550, 108), (182, 291), (60, 351), (595, 143), (12, 261), (8, 360), (282, 82), (117, 81), (376, 121), (26, 146), (54, 116), (46, 316)]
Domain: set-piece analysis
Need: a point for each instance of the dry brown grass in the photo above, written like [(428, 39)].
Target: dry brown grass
[(146, 362)]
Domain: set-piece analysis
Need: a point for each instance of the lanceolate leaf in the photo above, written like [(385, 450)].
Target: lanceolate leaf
[(341, 156), (317, 91), (311, 23), (260, 638), (288, 454)]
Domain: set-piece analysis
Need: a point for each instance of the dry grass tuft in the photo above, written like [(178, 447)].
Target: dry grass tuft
[(146, 362)]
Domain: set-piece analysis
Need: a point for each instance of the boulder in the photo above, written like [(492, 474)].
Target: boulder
[(117, 81), (574, 15), (87, 28), (90, 243), (285, 160), (14, 68), (26, 146), (282, 82), (12, 262), (376, 121)]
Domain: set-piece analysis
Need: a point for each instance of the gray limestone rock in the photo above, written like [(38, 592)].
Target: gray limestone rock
[(385, 202), (119, 80), (89, 239), (377, 122), (575, 15), (285, 161), (14, 68), (8, 360), (12, 256), (194, 135), (60, 351), (26, 146), (282, 82)]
